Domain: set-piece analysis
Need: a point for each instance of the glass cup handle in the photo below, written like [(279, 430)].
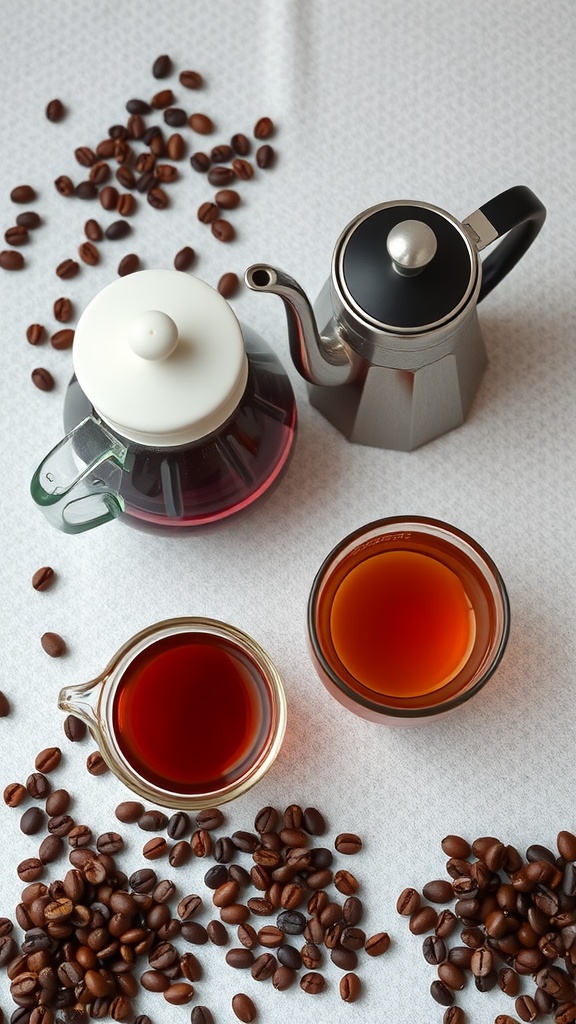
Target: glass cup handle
[(77, 484)]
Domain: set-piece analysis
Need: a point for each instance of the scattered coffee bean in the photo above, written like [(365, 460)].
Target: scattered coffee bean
[(29, 220), (30, 870), (453, 1015), (118, 229), (74, 728), (50, 849), (184, 258), (14, 794), (47, 760), (175, 117), (207, 213), (220, 176), (441, 993), (242, 168), (63, 310), (190, 79), (67, 269), (92, 230), (200, 162), (42, 379), (313, 983), (23, 194), (162, 66), (153, 820), (438, 891), (86, 190), (201, 123), (129, 264), (96, 764), (350, 987), (4, 705), (157, 198), (32, 821), (265, 156), (63, 339), (240, 144), (57, 802), (263, 128), (243, 1008), (17, 235), (11, 259), (348, 843), (64, 185), (223, 230), (228, 285), (53, 643), (55, 110), (35, 334)]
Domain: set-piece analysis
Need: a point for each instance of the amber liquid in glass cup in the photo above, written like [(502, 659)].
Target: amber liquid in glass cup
[(407, 618)]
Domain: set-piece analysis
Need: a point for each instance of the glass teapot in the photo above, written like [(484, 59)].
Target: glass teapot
[(176, 416)]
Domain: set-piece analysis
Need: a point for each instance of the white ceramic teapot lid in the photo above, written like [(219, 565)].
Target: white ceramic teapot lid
[(161, 357)]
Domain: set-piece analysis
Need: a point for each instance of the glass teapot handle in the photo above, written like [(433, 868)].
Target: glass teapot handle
[(77, 484), (517, 213)]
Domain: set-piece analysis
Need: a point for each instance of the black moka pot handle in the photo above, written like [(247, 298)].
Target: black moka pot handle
[(516, 213)]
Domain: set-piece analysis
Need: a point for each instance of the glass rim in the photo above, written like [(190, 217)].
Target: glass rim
[(419, 524)]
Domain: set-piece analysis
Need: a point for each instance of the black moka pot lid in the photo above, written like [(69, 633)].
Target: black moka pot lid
[(406, 267)]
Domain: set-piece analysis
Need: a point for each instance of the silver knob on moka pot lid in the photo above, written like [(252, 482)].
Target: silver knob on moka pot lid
[(411, 245)]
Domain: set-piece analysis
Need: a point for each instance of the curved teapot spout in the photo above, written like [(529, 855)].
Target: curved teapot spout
[(323, 361)]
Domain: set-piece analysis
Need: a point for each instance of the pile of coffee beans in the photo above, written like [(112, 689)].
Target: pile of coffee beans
[(95, 937), (516, 918)]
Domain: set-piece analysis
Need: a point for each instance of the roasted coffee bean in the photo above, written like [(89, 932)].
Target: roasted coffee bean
[(242, 168), (86, 190), (32, 821), (263, 966), (128, 264), (434, 950), (291, 922), (64, 185), (23, 194), (216, 876), (209, 818), (228, 199), (17, 235), (283, 978), (129, 811), (265, 156), (79, 836), (85, 156), (223, 230), (190, 79), (226, 894), (194, 932), (487, 982), (63, 310), (200, 162), (179, 993), (108, 197), (96, 764), (234, 913), (247, 935), (509, 981), (110, 842), (175, 146), (157, 198), (153, 820), (441, 993), (452, 976), (92, 230), (312, 982), (184, 258), (166, 173), (188, 906), (200, 1015), (60, 824), (4, 705), (201, 123), (217, 933), (154, 848), (207, 213), (10, 259), (175, 117), (178, 825), (53, 644), (220, 176), (263, 128), (243, 1008), (240, 144), (348, 843), (526, 1008), (240, 958), (42, 379), (221, 154), (67, 269), (99, 173), (118, 229), (423, 920), (201, 843), (30, 869), (64, 339), (446, 923), (29, 220), (350, 988), (55, 110), (260, 906), (162, 66), (438, 891), (224, 850), (154, 981), (50, 849), (566, 843), (35, 334), (38, 786), (453, 1015), (74, 728), (14, 794), (345, 882)]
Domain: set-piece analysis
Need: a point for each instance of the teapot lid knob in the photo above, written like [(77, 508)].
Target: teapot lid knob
[(153, 334), (411, 245)]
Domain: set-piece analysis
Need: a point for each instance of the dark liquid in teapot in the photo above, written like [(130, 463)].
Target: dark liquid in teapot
[(223, 474)]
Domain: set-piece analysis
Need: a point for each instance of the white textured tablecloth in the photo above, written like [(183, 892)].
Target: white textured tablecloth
[(444, 102)]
